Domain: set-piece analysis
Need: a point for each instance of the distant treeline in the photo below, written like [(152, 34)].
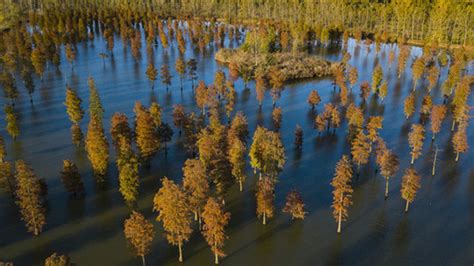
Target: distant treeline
[(444, 21)]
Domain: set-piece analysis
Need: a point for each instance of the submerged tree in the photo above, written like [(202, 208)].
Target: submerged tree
[(29, 198), (265, 196), (342, 190), (58, 260), (139, 232), (438, 113), (294, 205), (267, 152), (410, 185), (416, 138), (146, 133), (11, 122), (215, 220), (173, 211), (95, 106), (127, 164), (460, 143), (180, 67), (313, 99), (72, 179), (409, 106), (196, 185), (97, 147), (276, 115), (353, 76), (377, 78), (237, 151), (417, 70), (75, 113), (165, 75), (151, 73), (361, 149), (298, 137)]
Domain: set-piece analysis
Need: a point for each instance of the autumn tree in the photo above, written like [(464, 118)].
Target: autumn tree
[(416, 138), (298, 137), (127, 164), (6, 177), (236, 154), (196, 185), (95, 106), (70, 54), (383, 90), (294, 205), (426, 105), (29, 198), (360, 149), (151, 73), (438, 114), (192, 66), (353, 76), (173, 211), (180, 67), (265, 196), (374, 123), (388, 163), (120, 129), (165, 75), (355, 117), (179, 116), (57, 260), (145, 131), (267, 153), (313, 99), (410, 185), (433, 76), (239, 128), (202, 96), (417, 70), (75, 113), (276, 115), (11, 122), (276, 82), (215, 220), (377, 78), (165, 134), (409, 105), (38, 60), (460, 143), (364, 90), (71, 178), (97, 147), (342, 190), (140, 233), (260, 88)]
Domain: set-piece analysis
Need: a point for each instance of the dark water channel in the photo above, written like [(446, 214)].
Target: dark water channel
[(438, 230)]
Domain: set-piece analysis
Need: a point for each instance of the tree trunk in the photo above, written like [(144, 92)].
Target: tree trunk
[(433, 170), (143, 260), (386, 187), (453, 125), (216, 255), (457, 156), (240, 185), (339, 220), (412, 158), (180, 259), (264, 220), (406, 206)]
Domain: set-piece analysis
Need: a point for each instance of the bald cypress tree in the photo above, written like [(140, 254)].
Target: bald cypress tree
[(180, 67), (313, 99), (196, 185), (119, 128), (409, 105), (460, 144), (29, 198), (360, 149), (294, 205), (127, 164), (410, 186), (151, 73), (438, 114), (140, 233), (173, 211), (75, 112), (342, 190), (236, 153), (58, 260), (11, 122), (215, 220), (95, 106), (265, 196), (416, 138), (145, 130), (97, 147), (71, 179)]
